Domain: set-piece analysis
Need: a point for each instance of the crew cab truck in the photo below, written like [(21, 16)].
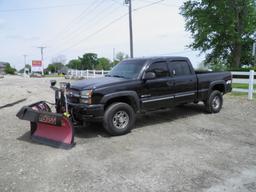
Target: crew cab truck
[(144, 84)]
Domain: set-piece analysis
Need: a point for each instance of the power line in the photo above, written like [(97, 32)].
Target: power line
[(96, 32), (109, 24), (163, 4), (117, 2), (77, 30), (148, 5), (76, 19), (39, 8)]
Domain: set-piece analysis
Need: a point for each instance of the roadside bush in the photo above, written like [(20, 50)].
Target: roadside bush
[(244, 69), (9, 70)]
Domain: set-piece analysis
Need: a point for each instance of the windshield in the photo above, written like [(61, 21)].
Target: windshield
[(128, 69)]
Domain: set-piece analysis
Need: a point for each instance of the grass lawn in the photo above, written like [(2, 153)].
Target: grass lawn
[(240, 86)]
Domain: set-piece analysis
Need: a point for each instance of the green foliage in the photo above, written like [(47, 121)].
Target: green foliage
[(9, 70), (103, 63), (222, 29), (120, 56), (74, 64), (89, 61), (243, 69), (216, 64), (54, 67)]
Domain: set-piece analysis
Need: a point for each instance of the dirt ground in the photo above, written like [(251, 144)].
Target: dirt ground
[(176, 150)]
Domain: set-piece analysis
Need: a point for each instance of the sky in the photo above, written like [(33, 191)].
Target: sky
[(70, 28)]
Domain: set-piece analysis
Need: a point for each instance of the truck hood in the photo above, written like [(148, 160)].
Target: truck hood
[(96, 82)]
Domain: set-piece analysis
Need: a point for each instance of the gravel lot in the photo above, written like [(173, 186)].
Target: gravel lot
[(181, 149)]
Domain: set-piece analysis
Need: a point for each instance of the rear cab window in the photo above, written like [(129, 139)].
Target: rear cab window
[(179, 68)]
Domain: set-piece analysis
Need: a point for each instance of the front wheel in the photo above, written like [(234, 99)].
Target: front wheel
[(119, 119), (214, 102)]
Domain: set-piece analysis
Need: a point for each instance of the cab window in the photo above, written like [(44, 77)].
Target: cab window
[(180, 68), (160, 68)]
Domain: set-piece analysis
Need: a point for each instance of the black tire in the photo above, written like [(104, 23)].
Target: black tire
[(119, 119), (214, 102)]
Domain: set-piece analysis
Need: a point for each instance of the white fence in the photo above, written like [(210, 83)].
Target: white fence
[(79, 74), (250, 81)]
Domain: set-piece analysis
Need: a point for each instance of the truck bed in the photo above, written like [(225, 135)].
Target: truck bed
[(205, 79)]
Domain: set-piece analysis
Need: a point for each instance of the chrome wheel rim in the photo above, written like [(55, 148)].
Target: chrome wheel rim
[(216, 102), (120, 119)]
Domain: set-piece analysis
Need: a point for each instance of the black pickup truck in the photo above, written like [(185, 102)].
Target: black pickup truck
[(144, 84)]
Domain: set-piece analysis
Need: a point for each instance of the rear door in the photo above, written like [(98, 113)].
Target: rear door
[(156, 93), (185, 81)]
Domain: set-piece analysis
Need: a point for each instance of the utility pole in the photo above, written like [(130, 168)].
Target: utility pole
[(114, 54), (254, 49), (129, 2), (25, 62), (42, 57)]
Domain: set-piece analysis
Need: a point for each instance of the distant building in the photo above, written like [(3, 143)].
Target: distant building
[(2, 67)]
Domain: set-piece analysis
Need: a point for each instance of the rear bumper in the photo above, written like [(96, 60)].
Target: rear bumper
[(83, 112)]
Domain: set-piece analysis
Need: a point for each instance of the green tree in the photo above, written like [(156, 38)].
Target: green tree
[(89, 61), (74, 64), (120, 56), (103, 63), (55, 67), (9, 70), (222, 29)]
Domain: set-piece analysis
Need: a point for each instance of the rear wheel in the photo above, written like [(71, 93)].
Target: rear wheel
[(214, 102), (119, 119)]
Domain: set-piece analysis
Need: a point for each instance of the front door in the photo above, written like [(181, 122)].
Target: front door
[(156, 93)]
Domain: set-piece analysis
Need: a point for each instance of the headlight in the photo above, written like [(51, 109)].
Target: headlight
[(85, 96)]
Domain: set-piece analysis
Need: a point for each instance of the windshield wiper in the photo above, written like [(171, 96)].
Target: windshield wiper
[(119, 76)]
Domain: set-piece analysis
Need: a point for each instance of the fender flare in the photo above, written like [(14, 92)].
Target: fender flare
[(130, 94), (218, 82)]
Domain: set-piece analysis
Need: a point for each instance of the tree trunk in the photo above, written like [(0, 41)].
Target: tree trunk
[(236, 56)]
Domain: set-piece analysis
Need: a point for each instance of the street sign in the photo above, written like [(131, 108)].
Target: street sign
[(37, 66), (36, 63)]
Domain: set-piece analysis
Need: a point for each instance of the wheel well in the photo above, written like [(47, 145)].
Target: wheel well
[(219, 87), (123, 99)]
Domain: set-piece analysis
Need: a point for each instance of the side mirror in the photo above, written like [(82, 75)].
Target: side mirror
[(53, 83), (149, 75)]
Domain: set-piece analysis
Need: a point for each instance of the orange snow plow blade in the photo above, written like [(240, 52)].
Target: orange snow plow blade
[(48, 128)]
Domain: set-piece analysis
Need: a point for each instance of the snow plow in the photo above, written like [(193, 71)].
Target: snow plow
[(48, 127)]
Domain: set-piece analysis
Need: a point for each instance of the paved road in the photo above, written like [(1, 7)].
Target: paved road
[(181, 149)]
